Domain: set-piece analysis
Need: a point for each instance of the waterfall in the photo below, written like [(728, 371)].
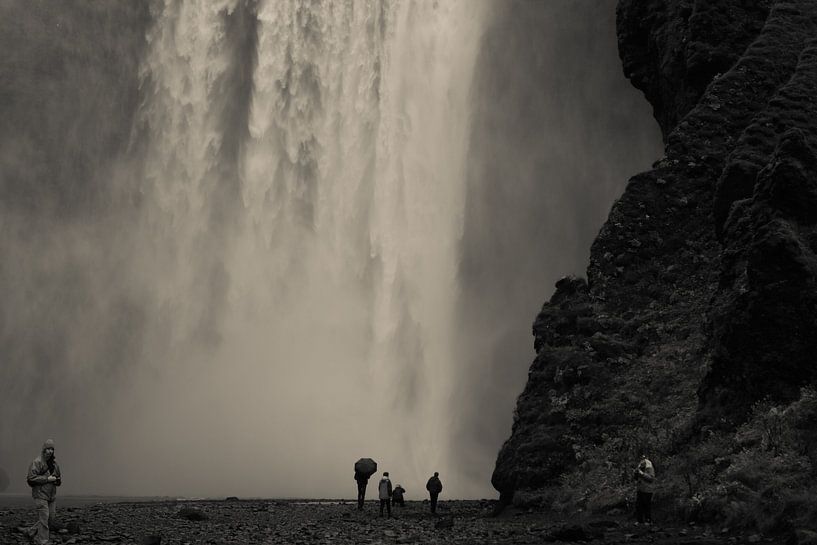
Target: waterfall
[(246, 242), (418, 215), (306, 290)]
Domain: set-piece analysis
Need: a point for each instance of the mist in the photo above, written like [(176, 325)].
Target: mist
[(245, 243), (557, 132)]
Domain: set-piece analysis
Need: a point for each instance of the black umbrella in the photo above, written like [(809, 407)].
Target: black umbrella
[(366, 466)]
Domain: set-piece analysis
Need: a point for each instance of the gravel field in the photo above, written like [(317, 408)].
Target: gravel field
[(235, 521)]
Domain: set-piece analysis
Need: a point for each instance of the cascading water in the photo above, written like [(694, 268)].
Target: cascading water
[(339, 262), (246, 242)]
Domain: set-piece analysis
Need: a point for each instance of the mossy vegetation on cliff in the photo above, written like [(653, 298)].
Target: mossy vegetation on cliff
[(694, 329)]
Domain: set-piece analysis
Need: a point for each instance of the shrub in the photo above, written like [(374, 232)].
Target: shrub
[(762, 478)]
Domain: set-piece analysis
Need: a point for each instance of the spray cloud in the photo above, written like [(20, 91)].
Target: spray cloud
[(309, 238)]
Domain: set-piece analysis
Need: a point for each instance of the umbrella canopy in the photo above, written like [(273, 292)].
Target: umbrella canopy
[(366, 466)]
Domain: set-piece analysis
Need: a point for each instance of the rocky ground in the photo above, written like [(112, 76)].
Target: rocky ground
[(299, 522)]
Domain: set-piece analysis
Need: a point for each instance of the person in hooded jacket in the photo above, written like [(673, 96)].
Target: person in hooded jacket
[(44, 477), (434, 487), (385, 492), (645, 478), (397, 496)]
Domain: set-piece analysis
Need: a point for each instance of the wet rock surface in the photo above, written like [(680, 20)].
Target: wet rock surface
[(301, 522)]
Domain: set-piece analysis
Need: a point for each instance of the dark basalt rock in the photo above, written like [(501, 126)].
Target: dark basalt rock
[(765, 317), (701, 292), (672, 49), (574, 533), (192, 513)]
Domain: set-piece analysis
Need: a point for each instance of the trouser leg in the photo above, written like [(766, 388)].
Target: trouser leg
[(639, 506), (361, 495), (43, 513), (388, 506), (433, 502), (648, 507)]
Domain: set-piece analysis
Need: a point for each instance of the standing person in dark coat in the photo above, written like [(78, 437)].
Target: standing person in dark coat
[(397, 496), (645, 478), (362, 481), (44, 477), (384, 492), (434, 487)]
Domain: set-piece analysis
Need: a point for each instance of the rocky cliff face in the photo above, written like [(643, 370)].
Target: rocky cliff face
[(700, 295)]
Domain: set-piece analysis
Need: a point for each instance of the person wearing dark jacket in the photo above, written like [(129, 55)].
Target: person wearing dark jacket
[(44, 477), (645, 477), (397, 496), (384, 492), (362, 482), (434, 487)]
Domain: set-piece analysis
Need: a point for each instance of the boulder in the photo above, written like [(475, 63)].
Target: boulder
[(192, 513), (574, 532)]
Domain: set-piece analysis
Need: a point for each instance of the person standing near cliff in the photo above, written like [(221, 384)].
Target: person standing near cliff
[(434, 487), (645, 478), (44, 477)]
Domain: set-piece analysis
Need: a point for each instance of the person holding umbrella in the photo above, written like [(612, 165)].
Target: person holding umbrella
[(364, 468)]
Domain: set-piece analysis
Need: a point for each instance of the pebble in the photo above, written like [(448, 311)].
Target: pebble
[(242, 523)]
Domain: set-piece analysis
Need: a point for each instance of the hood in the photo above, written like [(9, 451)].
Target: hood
[(49, 443)]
